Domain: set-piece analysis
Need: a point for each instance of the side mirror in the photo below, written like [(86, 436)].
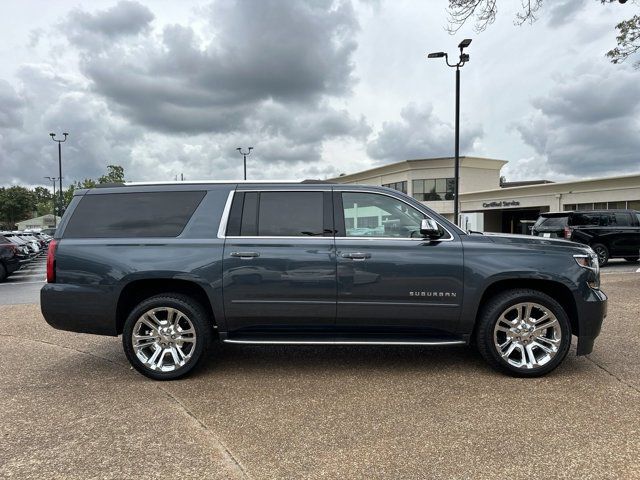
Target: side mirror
[(429, 228)]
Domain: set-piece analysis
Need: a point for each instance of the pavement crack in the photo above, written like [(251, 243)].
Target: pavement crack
[(622, 381), (205, 427)]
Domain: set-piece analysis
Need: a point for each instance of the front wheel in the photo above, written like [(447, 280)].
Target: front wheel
[(602, 252), (523, 333), (167, 336)]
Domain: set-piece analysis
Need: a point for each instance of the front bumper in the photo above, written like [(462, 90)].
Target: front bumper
[(591, 313)]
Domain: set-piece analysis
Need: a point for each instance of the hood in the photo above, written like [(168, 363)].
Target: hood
[(506, 238)]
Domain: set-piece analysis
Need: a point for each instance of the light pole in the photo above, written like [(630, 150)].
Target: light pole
[(60, 142), (464, 58), (245, 155), (55, 219)]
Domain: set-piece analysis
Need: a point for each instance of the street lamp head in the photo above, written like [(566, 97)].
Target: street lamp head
[(239, 148), (464, 43), (250, 148), (437, 55), (65, 134), (52, 135)]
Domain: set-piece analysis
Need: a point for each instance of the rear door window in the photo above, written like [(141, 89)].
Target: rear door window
[(141, 214), (288, 214), (586, 219)]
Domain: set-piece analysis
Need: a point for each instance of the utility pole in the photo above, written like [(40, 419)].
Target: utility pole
[(60, 142), (464, 58), (245, 155)]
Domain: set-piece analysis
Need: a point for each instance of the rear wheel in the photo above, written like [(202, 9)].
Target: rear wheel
[(602, 252), (167, 336), (524, 333)]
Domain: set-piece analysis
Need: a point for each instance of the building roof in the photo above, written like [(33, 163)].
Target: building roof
[(405, 165), (632, 180), (524, 183)]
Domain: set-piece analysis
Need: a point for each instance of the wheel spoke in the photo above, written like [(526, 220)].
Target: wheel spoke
[(543, 348), (142, 345), (526, 312), (549, 323), (152, 360), (509, 351), (174, 354)]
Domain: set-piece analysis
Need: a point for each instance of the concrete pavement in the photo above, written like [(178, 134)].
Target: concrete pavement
[(72, 407)]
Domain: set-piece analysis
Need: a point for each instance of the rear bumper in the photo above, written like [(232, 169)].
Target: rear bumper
[(75, 308), (591, 313)]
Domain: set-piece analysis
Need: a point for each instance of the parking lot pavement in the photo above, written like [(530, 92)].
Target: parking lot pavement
[(72, 407), (23, 286)]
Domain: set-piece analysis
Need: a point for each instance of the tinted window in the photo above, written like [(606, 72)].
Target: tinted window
[(622, 219), (117, 215), (372, 215), (551, 222), (584, 219), (289, 214)]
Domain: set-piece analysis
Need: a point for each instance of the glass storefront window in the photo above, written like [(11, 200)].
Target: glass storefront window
[(399, 186), (433, 189)]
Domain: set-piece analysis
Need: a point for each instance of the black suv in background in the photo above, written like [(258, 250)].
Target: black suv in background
[(610, 233), (172, 267)]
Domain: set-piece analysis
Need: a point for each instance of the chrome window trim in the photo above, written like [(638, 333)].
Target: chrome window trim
[(222, 228)]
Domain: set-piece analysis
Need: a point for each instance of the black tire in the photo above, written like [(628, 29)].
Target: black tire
[(632, 259), (202, 325), (3, 273), (602, 252), (499, 304)]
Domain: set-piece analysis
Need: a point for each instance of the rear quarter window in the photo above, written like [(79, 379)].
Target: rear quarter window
[(119, 215), (551, 222)]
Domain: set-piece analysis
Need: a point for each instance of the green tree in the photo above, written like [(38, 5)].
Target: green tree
[(44, 200), (16, 204), (115, 174), (483, 13)]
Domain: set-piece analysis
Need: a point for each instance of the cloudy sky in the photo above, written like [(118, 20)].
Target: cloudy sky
[(317, 87)]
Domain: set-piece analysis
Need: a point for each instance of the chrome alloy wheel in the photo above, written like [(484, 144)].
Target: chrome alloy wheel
[(527, 335), (163, 339)]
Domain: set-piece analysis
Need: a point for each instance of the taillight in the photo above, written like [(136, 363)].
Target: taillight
[(567, 232), (51, 262)]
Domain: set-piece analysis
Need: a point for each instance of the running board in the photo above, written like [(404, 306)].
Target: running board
[(344, 342)]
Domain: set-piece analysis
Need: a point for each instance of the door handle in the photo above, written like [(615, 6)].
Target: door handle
[(356, 255), (245, 255)]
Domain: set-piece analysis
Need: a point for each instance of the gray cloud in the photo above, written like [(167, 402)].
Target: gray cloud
[(11, 106), (268, 51), (124, 19), (419, 134), (563, 11), (588, 123)]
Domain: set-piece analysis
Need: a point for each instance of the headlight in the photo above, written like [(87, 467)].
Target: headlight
[(590, 262)]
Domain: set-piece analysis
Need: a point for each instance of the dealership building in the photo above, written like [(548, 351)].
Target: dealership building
[(487, 201)]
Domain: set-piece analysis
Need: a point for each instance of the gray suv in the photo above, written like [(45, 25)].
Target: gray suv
[(173, 267)]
